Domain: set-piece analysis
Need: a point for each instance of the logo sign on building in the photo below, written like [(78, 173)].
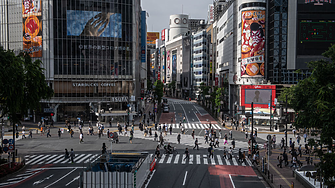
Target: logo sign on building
[(32, 27), (163, 35), (210, 14), (159, 76), (151, 37), (318, 2), (253, 43)]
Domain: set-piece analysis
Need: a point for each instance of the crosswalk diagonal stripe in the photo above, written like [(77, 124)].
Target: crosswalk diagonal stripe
[(61, 159), (191, 160), (194, 127), (189, 125), (249, 162), (176, 159), (182, 160), (212, 160), (91, 158), (235, 162), (202, 127), (30, 160), (162, 159), (47, 159), (198, 159), (40, 159), (77, 158), (205, 159), (197, 125), (219, 160), (177, 126), (227, 162), (54, 159), (185, 126), (169, 159), (216, 126), (205, 125)]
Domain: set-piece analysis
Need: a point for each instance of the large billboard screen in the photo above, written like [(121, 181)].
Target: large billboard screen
[(32, 27), (174, 65), (253, 43), (93, 23), (260, 95)]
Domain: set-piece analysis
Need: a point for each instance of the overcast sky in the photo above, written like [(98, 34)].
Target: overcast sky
[(160, 10)]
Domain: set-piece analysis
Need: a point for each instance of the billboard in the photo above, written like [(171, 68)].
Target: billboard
[(260, 95), (163, 35), (174, 65), (32, 27), (253, 43), (93, 23), (210, 13), (152, 36)]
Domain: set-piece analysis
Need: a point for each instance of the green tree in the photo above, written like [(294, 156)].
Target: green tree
[(314, 101), (149, 84), (218, 97), (172, 87), (22, 85), (159, 90)]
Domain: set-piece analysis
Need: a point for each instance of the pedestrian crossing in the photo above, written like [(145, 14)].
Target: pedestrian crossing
[(198, 159), (20, 177), (180, 103), (194, 126), (59, 159)]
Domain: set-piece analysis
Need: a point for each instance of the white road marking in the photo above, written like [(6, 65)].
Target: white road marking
[(176, 160), (198, 159), (74, 179), (58, 157), (169, 159), (90, 159), (182, 160), (82, 159), (191, 160), (213, 160), (227, 162), (185, 178), (35, 162), (61, 178), (219, 159), (197, 125), (234, 161), (202, 127), (249, 162), (205, 159), (162, 159)]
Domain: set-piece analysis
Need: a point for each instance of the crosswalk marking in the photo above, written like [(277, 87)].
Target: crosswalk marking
[(202, 127), (234, 161), (197, 125), (249, 162), (219, 159), (176, 160), (38, 160), (198, 159), (56, 158), (47, 159), (191, 159), (227, 162), (243, 164), (194, 126), (76, 159), (177, 126), (182, 160), (205, 159), (169, 159), (212, 160), (162, 159), (81, 160), (216, 126), (205, 125), (91, 159), (61, 159)]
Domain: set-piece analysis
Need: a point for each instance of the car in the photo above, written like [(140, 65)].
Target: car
[(166, 109)]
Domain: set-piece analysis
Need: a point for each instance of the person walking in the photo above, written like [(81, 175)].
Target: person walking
[(108, 133), (305, 137), (170, 129), (206, 139), (196, 144), (280, 160), (187, 154), (210, 152), (193, 134), (282, 143), (225, 139), (81, 137), (156, 136), (274, 141), (224, 153), (233, 143), (131, 137), (71, 133), (178, 138), (23, 134), (30, 134), (59, 133), (48, 133), (246, 135), (231, 134), (67, 155), (72, 155)]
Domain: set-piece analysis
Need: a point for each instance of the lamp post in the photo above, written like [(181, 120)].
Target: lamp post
[(252, 126), (286, 123)]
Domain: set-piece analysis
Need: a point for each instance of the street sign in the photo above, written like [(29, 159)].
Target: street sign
[(5, 141), (11, 147), (111, 135), (275, 101), (5, 149), (10, 141), (128, 105), (269, 105)]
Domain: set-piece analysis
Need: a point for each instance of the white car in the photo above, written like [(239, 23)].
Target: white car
[(166, 109)]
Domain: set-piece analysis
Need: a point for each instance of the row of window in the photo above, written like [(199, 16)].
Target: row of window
[(200, 44), (199, 65), (199, 51), (200, 58)]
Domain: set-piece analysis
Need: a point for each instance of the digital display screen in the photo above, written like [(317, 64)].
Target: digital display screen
[(93, 23), (317, 31), (258, 96)]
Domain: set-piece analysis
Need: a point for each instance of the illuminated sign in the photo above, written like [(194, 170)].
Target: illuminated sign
[(260, 95), (32, 27), (318, 2)]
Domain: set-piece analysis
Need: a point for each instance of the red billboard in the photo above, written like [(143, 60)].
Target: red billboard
[(163, 35), (258, 94), (253, 43)]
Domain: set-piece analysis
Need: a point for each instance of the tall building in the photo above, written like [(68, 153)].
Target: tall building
[(90, 52)]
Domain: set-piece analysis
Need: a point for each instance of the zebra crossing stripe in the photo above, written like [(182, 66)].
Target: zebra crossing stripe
[(216, 126), (162, 159), (79, 161), (194, 127), (177, 126), (91, 158), (202, 127), (35, 162), (182, 160), (191, 160), (176, 160), (243, 164), (198, 159), (31, 159), (78, 157), (205, 125), (249, 162), (227, 162), (234, 161), (61, 159), (213, 160), (219, 160), (56, 158), (197, 125), (47, 159), (189, 125), (169, 159), (205, 159), (185, 126), (173, 126)]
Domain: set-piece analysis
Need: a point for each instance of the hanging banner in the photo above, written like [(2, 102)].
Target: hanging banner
[(32, 27), (253, 43)]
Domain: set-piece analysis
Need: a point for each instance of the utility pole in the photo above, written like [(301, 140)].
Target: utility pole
[(252, 127), (270, 111), (286, 122)]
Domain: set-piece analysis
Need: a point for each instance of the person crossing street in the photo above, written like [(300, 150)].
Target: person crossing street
[(196, 144)]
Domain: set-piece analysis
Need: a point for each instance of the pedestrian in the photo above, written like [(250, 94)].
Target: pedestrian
[(294, 132), (187, 154), (81, 137), (246, 135), (48, 133), (220, 134), (67, 155), (294, 162), (254, 159), (196, 144), (59, 133), (71, 133), (224, 153), (178, 138), (298, 139), (206, 139), (103, 148), (243, 157), (231, 134), (280, 160), (170, 129), (305, 137), (193, 134), (150, 132), (282, 143), (285, 157), (233, 143), (156, 126), (230, 153), (23, 134), (274, 141), (30, 134), (217, 142), (210, 152), (166, 129), (161, 140), (72, 155), (131, 137), (108, 133), (240, 155), (156, 136), (225, 140)]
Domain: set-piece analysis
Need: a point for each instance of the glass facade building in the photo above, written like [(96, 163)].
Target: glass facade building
[(89, 50)]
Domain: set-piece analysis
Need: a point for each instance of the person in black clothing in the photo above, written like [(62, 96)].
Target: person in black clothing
[(72, 155), (210, 152), (67, 155), (59, 133), (196, 144), (280, 160), (103, 148), (178, 138), (170, 129), (285, 158), (187, 155), (240, 155)]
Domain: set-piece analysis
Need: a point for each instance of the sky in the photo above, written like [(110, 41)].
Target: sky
[(160, 10)]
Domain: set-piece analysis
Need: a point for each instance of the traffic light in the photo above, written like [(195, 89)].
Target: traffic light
[(51, 114)]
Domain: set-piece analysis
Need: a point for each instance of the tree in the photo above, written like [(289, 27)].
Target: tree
[(159, 90), (313, 99), (149, 84), (218, 98), (172, 87), (22, 85)]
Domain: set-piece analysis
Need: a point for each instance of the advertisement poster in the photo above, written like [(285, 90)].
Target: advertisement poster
[(168, 65), (151, 37), (174, 65), (253, 43), (32, 27), (92, 23), (163, 35)]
